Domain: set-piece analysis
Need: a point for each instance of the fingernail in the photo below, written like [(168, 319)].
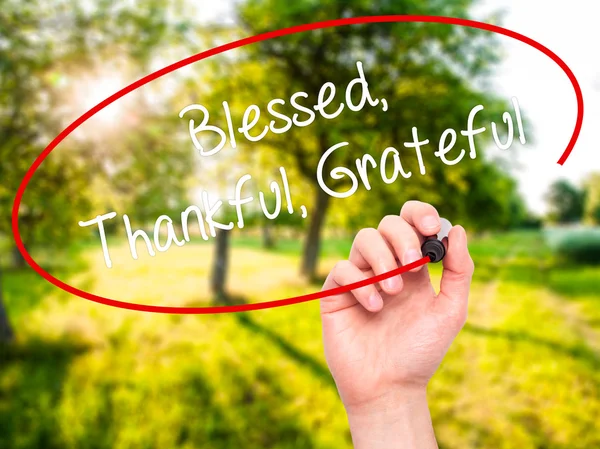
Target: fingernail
[(411, 255), (430, 222), (392, 283), (375, 301)]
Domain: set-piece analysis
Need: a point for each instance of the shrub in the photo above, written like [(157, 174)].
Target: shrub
[(578, 244)]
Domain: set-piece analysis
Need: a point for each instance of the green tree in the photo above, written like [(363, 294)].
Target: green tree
[(565, 201), (429, 72), (23, 123), (592, 198), (39, 42)]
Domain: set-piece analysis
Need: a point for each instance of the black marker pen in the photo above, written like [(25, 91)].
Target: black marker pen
[(433, 246)]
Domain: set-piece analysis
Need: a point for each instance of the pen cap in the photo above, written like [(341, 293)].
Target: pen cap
[(445, 229)]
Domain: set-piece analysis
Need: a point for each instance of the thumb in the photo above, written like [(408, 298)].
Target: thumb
[(456, 277)]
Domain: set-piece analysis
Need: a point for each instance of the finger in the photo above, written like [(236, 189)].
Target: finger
[(403, 238), (370, 250), (424, 217), (457, 275), (346, 273)]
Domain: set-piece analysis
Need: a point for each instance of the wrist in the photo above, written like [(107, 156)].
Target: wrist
[(397, 419), (394, 401)]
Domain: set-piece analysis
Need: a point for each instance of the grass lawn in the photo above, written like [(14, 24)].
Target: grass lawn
[(524, 373)]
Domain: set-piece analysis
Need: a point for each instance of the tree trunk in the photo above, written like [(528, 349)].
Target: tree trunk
[(312, 243), (6, 332), (267, 234), (220, 263), (17, 257)]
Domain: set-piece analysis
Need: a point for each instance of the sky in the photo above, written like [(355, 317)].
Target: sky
[(544, 92)]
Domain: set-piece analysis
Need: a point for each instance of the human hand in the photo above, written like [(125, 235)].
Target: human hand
[(383, 342)]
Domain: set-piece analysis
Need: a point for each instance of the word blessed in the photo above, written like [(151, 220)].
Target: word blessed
[(390, 163), (325, 98)]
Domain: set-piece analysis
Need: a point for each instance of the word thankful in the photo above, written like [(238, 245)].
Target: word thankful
[(204, 220), (446, 144)]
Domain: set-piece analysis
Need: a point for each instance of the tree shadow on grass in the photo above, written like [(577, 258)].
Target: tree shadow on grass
[(570, 279), (31, 380), (481, 436), (244, 318), (23, 288), (256, 412), (309, 362), (575, 280), (272, 409), (59, 262), (198, 395), (457, 426), (225, 299), (233, 409), (521, 270), (579, 352)]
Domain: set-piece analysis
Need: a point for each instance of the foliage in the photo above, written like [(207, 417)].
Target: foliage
[(150, 171), (581, 244), (42, 42), (431, 75), (592, 198), (566, 202), (23, 119)]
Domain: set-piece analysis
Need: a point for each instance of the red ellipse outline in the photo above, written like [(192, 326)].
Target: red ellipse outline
[(240, 43)]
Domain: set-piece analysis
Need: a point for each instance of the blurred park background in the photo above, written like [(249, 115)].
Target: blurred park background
[(525, 371)]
